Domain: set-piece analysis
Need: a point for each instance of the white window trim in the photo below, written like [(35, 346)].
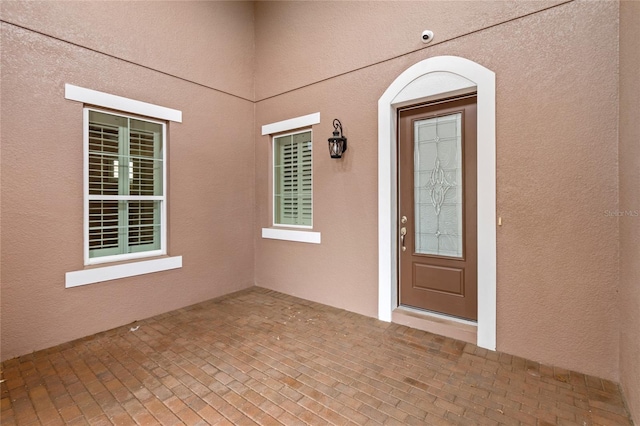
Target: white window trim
[(118, 103), (291, 235), (105, 273), (282, 232), (114, 272), (291, 124), (404, 90)]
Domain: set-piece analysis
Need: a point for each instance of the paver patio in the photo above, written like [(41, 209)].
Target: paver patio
[(262, 357)]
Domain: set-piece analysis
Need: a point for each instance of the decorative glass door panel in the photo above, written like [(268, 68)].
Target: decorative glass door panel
[(438, 195)]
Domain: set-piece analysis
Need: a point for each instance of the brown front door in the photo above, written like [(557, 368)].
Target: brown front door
[(437, 208)]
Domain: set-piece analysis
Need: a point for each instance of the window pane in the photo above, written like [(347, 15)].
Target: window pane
[(145, 158), (125, 159), (438, 185), (293, 180), (144, 225), (104, 153), (110, 234), (105, 231)]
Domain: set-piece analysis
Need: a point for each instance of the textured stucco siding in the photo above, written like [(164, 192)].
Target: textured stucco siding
[(210, 175), (556, 157)]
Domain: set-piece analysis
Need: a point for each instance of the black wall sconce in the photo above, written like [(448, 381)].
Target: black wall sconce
[(337, 143)]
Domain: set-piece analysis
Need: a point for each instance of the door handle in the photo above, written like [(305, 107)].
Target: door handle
[(403, 232)]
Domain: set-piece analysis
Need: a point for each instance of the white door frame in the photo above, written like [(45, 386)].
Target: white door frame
[(437, 78)]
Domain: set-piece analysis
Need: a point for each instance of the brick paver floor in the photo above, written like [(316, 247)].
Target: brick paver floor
[(261, 357)]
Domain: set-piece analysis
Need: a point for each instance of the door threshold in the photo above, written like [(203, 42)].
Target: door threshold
[(455, 328)]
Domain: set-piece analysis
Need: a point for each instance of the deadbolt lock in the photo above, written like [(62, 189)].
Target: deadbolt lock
[(403, 220)]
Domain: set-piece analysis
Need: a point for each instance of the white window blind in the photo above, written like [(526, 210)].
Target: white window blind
[(125, 185), (293, 180)]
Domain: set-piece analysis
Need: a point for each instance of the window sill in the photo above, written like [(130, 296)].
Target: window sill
[(291, 235), (106, 273)]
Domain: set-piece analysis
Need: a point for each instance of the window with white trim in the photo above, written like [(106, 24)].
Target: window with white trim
[(125, 204), (137, 231), (292, 190), (293, 180)]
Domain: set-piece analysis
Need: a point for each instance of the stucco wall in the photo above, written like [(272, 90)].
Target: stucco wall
[(556, 139), (556, 157), (208, 42), (629, 156), (210, 174), (321, 39)]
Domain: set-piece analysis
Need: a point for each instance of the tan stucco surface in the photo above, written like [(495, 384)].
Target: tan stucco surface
[(210, 182), (629, 157), (568, 271), (208, 42), (322, 39), (556, 104)]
